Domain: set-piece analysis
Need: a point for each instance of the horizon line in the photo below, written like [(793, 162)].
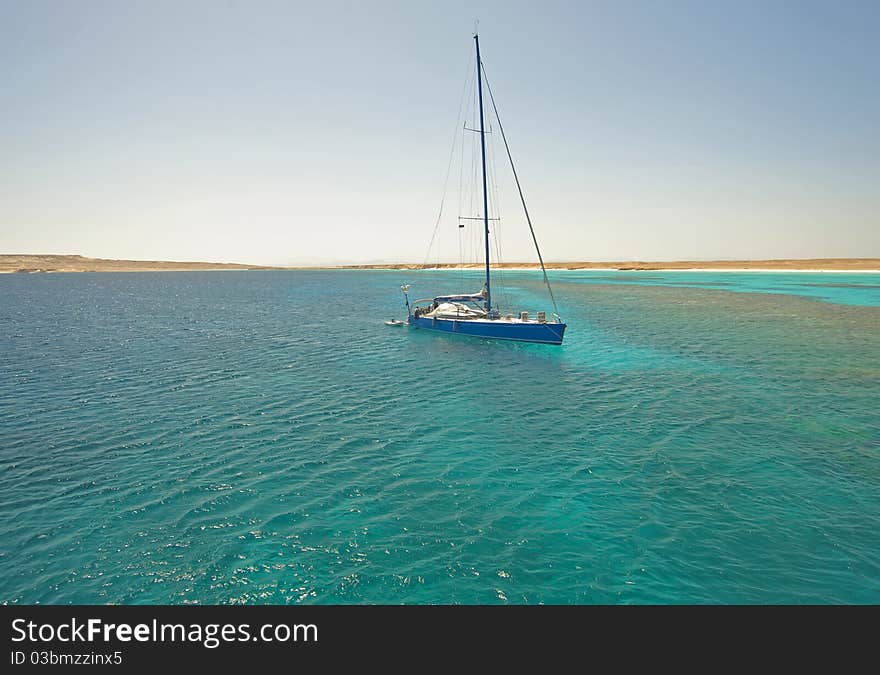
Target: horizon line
[(26, 262)]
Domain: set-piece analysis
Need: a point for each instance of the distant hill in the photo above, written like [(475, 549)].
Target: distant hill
[(77, 263)]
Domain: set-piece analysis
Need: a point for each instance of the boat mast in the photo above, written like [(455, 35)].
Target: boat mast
[(485, 190)]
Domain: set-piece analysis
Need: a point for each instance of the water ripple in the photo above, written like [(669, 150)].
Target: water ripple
[(257, 438)]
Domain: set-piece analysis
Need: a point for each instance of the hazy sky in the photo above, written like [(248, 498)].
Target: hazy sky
[(308, 132)]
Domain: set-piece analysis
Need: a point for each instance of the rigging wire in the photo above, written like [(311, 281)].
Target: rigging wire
[(501, 285), (448, 168), (472, 187), (519, 188), (462, 232)]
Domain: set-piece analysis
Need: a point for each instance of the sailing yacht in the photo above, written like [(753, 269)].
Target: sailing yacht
[(474, 314)]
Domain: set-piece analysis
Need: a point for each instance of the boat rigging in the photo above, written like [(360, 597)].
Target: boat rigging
[(475, 314)]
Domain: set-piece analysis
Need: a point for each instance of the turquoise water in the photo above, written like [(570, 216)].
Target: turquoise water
[(848, 288), (262, 437)]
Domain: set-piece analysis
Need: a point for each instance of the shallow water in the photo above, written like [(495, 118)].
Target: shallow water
[(848, 288), (247, 437)]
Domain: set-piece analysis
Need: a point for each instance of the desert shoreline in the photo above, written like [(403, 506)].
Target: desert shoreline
[(780, 265), (30, 263), (27, 263), (855, 270)]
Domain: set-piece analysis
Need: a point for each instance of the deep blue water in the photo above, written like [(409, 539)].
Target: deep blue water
[(262, 437)]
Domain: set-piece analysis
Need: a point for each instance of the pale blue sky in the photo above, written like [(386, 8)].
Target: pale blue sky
[(288, 132)]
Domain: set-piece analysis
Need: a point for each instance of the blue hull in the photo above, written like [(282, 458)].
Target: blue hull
[(546, 333)]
